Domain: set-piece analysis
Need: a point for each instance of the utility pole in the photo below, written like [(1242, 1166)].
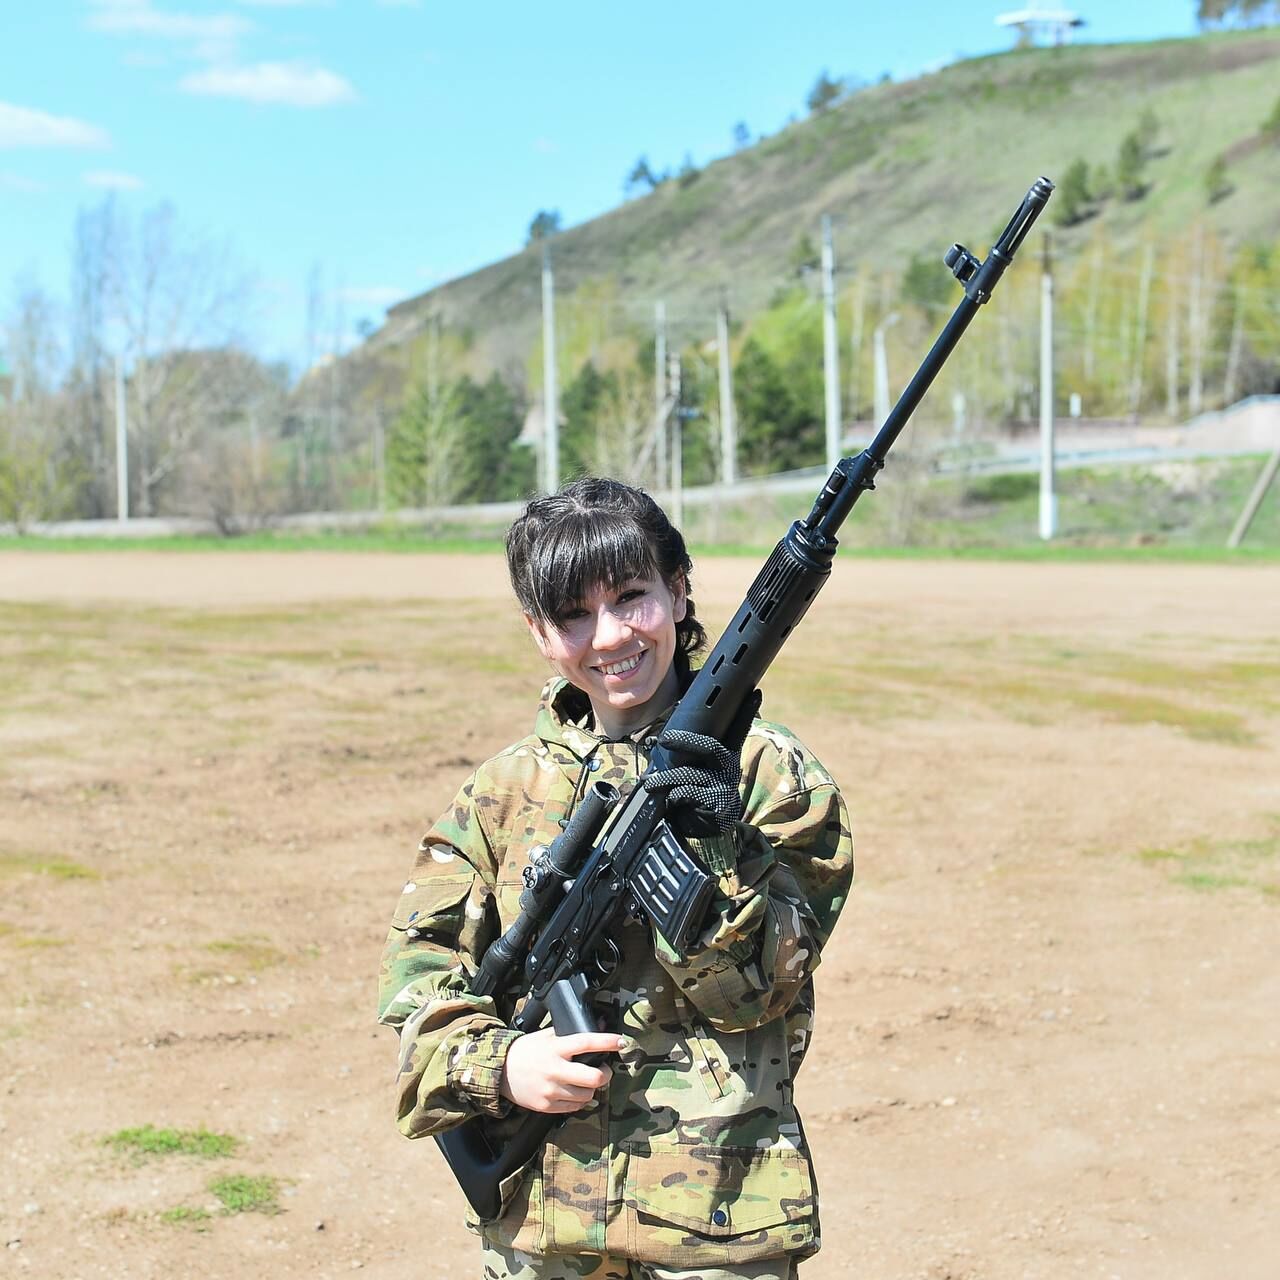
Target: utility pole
[(677, 443), (830, 359), (379, 461), (660, 390), (728, 426), (122, 448), (550, 410), (881, 387), (1048, 502)]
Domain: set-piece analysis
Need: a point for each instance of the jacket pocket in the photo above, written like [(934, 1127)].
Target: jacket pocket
[(433, 908), (737, 1204)]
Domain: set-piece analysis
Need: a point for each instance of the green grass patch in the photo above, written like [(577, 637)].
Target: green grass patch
[(241, 1193), (1205, 724), (1208, 865), (151, 1141), (45, 865), (255, 953), (185, 1215)]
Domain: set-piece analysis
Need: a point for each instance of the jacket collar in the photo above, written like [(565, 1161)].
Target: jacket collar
[(564, 719)]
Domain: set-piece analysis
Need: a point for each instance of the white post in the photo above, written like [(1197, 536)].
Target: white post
[(122, 447), (830, 358), (677, 450), (881, 390), (1048, 502), (550, 411), (660, 410), (728, 427)]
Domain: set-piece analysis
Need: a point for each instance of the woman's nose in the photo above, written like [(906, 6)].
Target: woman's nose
[(611, 630)]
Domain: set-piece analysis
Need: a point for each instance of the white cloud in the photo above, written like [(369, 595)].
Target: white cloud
[(26, 127), (140, 18), (111, 180), (289, 83), (21, 185)]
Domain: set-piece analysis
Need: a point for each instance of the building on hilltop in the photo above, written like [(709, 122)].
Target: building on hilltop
[(1055, 25)]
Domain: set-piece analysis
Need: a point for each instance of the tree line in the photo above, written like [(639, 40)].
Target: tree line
[(1166, 329)]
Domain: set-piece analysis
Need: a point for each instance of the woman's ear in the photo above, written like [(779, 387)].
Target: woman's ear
[(539, 639), (679, 598)]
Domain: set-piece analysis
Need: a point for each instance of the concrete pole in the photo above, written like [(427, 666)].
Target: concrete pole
[(728, 427), (881, 388), (122, 447), (1260, 488), (379, 461), (550, 408), (660, 392), (830, 358), (677, 442), (1048, 501)]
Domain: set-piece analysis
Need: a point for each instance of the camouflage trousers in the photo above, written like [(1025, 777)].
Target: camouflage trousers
[(501, 1263)]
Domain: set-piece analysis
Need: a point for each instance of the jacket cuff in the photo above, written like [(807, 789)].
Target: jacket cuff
[(718, 853), (475, 1069)]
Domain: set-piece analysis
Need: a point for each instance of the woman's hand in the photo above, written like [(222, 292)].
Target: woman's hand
[(541, 1075)]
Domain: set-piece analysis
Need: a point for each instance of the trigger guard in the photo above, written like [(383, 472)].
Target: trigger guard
[(607, 959)]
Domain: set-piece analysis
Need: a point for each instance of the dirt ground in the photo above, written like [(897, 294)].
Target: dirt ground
[(1049, 1022)]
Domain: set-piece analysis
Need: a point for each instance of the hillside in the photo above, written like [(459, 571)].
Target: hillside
[(904, 168)]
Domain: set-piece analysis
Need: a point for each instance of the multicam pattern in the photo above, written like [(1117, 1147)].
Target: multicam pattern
[(695, 1144), (513, 1264)]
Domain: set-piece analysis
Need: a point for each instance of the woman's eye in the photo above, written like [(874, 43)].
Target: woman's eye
[(633, 593)]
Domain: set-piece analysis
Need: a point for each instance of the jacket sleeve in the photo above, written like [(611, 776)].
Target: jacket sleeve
[(453, 1044), (783, 877)]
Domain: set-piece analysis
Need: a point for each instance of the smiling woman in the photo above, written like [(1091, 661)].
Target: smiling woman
[(681, 1152)]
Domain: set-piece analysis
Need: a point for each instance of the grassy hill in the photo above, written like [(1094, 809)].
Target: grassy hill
[(905, 168)]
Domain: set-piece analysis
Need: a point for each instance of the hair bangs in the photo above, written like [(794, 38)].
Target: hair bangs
[(589, 549)]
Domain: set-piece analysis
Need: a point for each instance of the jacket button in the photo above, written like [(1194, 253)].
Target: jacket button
[(595, 764), (720, 1217)]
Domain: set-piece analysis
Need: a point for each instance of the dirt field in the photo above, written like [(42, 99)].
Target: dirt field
[(1049, 1024)]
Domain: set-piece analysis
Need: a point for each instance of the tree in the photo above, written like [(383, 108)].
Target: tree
[(39, 468), (1271, 125), (169, 304), (741, 135), (1148, 131), (1244, 13), (926, 282), (1130, 163), (688, 172), (804, 256), (1072, 195), (825, 91), (775, 431), (641, 175), (545, 224), (1217, 185)]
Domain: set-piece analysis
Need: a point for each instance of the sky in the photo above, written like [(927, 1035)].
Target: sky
[(383, 146)]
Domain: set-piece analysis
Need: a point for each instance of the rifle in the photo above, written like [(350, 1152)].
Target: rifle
[(577, 890)]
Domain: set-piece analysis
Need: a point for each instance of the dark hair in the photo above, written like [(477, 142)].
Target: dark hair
[(596, 532)]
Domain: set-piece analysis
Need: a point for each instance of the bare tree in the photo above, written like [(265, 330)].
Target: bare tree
[(168, 302), (37, 469)]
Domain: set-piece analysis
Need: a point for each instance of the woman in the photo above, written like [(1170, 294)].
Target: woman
[(683, 1155)]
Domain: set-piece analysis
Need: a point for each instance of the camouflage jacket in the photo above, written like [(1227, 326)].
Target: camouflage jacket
[(696, 1143)]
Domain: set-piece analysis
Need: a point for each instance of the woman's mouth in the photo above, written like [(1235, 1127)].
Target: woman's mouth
[(622, 668)]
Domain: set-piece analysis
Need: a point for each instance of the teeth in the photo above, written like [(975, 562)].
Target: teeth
[(621, 668)]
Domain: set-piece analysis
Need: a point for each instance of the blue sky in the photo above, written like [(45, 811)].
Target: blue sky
[(398, 143)]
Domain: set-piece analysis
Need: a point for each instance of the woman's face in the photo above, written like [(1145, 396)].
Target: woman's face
[(618, 646)]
